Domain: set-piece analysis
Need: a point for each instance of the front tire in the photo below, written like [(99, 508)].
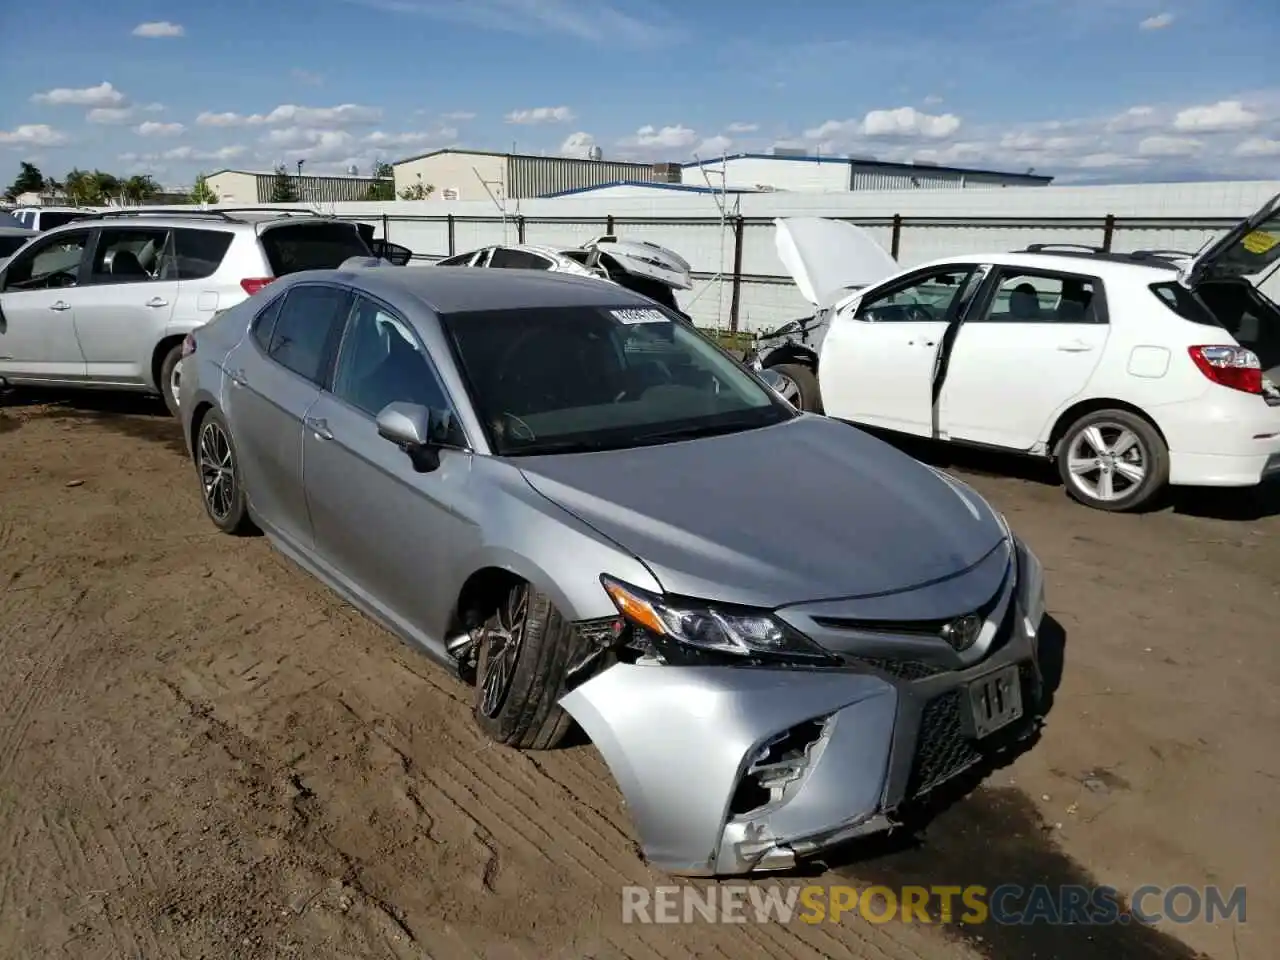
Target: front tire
[(526, 650), (1113, 460), (806, 395), (219, 470)]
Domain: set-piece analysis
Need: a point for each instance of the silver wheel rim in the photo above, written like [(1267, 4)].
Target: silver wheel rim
[(217, 472), (1107, 461), (175, 382), (788, 389), (503, 640)]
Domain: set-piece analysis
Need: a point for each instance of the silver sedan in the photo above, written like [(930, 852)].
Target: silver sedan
[(776, 629)]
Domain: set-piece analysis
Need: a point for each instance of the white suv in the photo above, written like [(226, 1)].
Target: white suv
[(1131, 371), (46, 218), (106, 302)]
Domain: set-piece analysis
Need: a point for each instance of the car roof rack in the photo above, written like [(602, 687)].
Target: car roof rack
[(1043, 247), (119, 214), (1160, 254), (221, 213)]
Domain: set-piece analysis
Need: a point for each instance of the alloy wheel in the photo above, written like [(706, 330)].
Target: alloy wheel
[(788, 389), (175, 383), (503, 639), (217, 471), (1107, 461)]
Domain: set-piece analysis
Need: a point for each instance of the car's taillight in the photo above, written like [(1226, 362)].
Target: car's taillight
[(252, 285), (1233, 367), (189, 345)]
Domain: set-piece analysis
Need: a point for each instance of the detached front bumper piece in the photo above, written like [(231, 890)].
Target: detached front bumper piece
[(733, 770)]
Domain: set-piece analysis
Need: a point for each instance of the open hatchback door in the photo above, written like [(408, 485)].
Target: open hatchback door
[(1247, 250)]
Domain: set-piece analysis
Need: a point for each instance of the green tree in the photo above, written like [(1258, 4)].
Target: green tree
[(283, 189), (201, 192), (385, 186), (92, 188), (139, 189), (417, 191), (29, 180)]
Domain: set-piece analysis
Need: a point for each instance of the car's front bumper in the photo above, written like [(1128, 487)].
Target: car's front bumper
[(680, 742)]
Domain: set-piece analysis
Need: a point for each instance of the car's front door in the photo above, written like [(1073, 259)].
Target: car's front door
[(39, 294), (128, 312), (878, 358), (273, 380), (1022, 356), (386, 530)]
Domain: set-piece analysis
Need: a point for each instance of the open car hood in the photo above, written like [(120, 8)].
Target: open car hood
[(825, 257), (1246, 250), (643, 259)]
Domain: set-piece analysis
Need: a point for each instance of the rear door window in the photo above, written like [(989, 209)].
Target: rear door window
[(292, 247), (505, 257), (308, 328), (197, 253), (128, 254)]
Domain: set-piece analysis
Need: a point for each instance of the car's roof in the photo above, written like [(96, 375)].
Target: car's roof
[(445, 290), (1118, 267)]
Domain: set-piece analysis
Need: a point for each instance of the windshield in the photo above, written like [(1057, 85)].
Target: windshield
[(572, 379)]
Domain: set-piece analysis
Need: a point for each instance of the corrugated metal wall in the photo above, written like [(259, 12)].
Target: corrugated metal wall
[(538, 176), (878, 180), (319, 189)]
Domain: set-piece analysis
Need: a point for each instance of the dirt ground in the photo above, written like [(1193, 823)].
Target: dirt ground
[(203, 753)]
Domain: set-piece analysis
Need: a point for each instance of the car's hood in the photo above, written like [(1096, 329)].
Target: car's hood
[(808, 509), (827, 256)]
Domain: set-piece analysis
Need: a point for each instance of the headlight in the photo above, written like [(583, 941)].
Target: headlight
[(737, 632)]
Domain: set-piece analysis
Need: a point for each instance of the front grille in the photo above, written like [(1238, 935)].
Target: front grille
[(901, 669), (943, 749)]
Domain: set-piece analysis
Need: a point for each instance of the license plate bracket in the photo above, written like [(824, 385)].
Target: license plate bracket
[(995, 700)]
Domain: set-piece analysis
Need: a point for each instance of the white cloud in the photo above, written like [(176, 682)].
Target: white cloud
[(103, 95), (307, 77), (1159, 146), (1023, 141), (835, 130), (713, 147), (109, 115), (909, 122), (158, 29), (577, 144), (153, 128), (154, 108), (1217, 117), (541, 115), (185, 153), (1158, 22), (1258, 147), (343, 115), (932, 100), (1134, 119), (1095, 161), (667, 138), (742, 127), (32, 135), (317, 144), (460, 116), (412, 138)]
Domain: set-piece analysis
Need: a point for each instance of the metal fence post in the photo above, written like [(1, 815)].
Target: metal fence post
[(895, 240), (1108, 231), (386, 225), (608, 225), (520, 229), (452, 251), (739, 228)]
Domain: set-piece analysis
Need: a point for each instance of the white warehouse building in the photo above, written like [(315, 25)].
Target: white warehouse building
[(831, 174)]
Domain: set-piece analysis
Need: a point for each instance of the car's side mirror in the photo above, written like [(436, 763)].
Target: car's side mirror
[(393, 252), (418, 431)]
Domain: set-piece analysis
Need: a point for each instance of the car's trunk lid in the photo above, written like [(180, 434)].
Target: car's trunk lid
[(1246, 250)]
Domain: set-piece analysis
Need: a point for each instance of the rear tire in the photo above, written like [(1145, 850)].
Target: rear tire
[(526, 650), (808, 396), (218, 468), (169, 374), (1126, 474)]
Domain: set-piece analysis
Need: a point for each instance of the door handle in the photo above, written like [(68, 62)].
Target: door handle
[(60, 306), (319, 426), (1075, 346), (157, 302), (237, 377), (922, 343)]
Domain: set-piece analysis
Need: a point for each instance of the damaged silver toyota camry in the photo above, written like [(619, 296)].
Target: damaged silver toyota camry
[(776, 629)]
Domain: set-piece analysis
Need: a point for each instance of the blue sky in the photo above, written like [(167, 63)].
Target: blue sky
[(1087, 90)]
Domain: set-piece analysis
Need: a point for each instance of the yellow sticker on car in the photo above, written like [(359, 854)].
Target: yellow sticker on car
[(1259, 242)]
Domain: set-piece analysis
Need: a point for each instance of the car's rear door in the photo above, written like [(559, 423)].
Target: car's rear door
[(1021, 356), (274, 377), (388, 532)]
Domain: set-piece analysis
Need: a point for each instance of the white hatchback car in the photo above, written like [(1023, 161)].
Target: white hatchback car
[(1131, 371)]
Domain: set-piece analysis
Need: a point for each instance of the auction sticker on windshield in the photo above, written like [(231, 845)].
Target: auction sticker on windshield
[(1259, 243), (639, 316)]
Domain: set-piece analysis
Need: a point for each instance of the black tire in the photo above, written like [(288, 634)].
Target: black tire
[(229, 512), (1146, 450), (525, 713), (806, 382), (171, 360)]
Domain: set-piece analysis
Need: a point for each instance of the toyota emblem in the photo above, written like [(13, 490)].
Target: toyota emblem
[(962, 633)]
